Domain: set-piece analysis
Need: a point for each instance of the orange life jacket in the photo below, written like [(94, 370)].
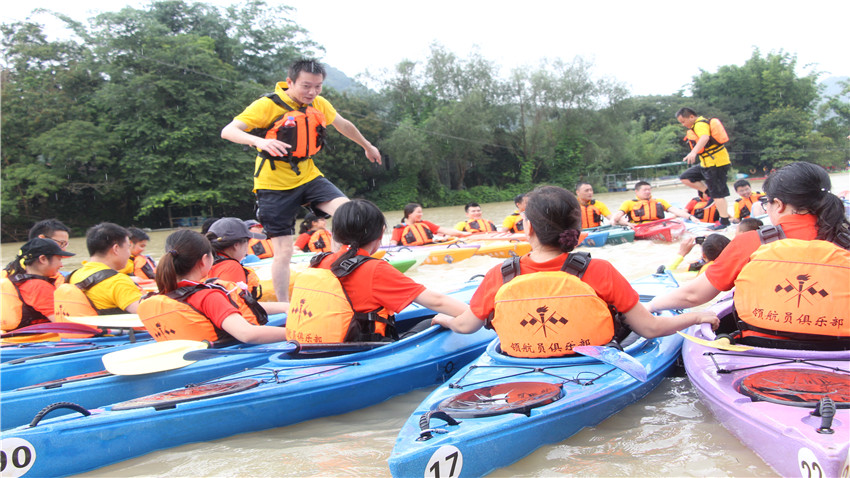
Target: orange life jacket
[(303, 129), (170, 317), (320, 310), (479, 225), (649, 210), (70, 300), (717, 137), (251, 277), (320, 241), (261, 248), (416, 234), (518, 225), (745, 205), (14, 311), (591, 216), (705, 210), (546, 314), (143, 267), (794, 289)]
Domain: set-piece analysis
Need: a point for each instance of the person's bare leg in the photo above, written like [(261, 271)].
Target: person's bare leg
[(282, 246), (330, 208)]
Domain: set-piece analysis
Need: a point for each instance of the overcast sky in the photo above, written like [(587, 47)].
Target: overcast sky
[(653, 47)]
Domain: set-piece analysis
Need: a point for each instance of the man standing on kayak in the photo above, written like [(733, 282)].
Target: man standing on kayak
[(286, 177), (707, 139)]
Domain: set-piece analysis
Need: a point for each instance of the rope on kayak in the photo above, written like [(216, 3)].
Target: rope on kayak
[(274, 373), (526, 370), (779, 361)]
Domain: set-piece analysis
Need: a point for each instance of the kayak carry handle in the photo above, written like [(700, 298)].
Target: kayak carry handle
[(425, 422), (826, 410), (56, 406)]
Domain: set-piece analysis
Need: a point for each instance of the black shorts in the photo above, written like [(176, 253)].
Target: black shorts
[(277, 209), (714, 177)]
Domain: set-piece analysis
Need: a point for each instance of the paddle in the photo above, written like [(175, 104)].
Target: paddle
[(720, 344), (287, 348), (150, 358), (116, 321), (617, 358), (53, 354), (54, 327)]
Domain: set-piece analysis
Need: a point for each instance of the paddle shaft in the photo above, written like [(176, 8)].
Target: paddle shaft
[(291, 347)]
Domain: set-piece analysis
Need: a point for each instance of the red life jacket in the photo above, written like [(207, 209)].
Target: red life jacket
[(261, 248), (303, 129), (143, 267), (705, 210), (320, 241)]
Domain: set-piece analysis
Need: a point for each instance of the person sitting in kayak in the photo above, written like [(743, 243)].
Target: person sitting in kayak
[(189, 308), (98, 288), (347, 296), (703, 208), (592, 210), (262, 248), (548, 301), (514, 223), (744, 204), (790, 279), (229, 238), (474, 222), (712, 246), (28, 284), (313, 235), (140, 266), (414, 231), (645, 208)]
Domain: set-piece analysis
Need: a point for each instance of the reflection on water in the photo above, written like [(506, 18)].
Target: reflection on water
[(667, 433)]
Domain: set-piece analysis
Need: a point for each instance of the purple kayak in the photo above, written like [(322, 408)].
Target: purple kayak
[(788, 406)]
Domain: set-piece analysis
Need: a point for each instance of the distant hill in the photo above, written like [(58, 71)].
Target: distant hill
[(341, 82), (832, 86)]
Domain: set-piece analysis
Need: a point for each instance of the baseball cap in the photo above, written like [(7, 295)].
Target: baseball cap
[(251, 223), (42, 247), (232, 228)]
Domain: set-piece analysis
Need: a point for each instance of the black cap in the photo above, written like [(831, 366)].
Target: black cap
[(42, 247), (232, 228)]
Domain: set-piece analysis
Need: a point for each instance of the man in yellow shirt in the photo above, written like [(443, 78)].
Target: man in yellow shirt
[(592, 210), (645, 208), (709, 176), (109, 249), (514, 222), (283, 183)]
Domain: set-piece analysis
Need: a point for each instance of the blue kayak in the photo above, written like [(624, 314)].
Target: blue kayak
[(499, 408), (16, 351), (594, 238), (59, 364), (284, 390)]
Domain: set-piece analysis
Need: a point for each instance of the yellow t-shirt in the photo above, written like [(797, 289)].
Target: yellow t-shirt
[(718, 158), (511, 220), (260, 114), (117, 291)]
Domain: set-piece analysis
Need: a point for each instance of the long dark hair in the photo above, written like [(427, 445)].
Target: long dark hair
[(357, 223), (555, 217), (408, 210), (183, 250), (806, 187)]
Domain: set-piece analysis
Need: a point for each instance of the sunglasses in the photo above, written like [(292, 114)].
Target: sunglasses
[(764, 200)]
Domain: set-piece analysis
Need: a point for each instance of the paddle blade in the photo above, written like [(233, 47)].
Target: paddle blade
[(55, 328), (150, 358), (117, 321), (617, 358), (720, 344)]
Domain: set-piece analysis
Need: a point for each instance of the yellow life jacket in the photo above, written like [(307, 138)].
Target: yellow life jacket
[(649, 210), (546, 314), (416, 234), (320, 310), (717, 137), (170, 317), (15, 313), (70, 300), (795, 289)]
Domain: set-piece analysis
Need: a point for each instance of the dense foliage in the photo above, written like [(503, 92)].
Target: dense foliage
[(121, 122)]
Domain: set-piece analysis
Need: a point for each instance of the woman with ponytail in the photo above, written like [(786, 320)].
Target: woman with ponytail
[(188, 308), (347, 296), (546, 302), (798, 267)]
